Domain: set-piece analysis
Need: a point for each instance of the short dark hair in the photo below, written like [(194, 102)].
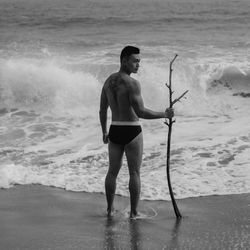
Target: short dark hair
[(128, 51)]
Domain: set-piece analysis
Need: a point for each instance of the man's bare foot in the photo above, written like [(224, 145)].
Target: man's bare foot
[(111, 212), (137, 215), (133, 215)]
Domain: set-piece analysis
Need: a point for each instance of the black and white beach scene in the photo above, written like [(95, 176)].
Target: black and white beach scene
[(56, 58)]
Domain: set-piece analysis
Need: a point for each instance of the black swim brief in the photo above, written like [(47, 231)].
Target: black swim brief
[(124, 132)]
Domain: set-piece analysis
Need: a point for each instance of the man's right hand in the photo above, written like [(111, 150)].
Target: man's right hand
[(169, 113), (105, 138)]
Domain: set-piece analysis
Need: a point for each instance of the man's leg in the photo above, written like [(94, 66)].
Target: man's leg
[(115, 162), (133, 152)]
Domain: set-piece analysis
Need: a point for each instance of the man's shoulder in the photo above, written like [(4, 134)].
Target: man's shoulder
[(133, 83), (130, 81)]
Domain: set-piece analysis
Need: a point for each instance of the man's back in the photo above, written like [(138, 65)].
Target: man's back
[(118, 88)]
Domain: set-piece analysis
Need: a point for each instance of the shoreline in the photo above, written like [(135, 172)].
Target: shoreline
[(41, 217)]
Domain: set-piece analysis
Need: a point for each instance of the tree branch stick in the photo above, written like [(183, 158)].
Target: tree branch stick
[(169, 124)]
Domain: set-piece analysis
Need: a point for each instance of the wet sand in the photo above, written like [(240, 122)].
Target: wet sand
[(39, 217)]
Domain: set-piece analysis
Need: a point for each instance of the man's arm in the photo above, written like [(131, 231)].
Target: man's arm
[(141, 111), (103, 115)]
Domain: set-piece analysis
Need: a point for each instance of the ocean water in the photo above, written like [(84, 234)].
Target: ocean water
[(55, 56)]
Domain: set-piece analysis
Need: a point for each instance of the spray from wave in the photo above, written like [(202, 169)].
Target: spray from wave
[(46, 86)]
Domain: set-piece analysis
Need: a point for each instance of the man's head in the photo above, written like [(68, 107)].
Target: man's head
[(130, 59)]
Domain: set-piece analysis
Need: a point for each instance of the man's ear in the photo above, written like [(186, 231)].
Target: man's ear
[(125, 59)]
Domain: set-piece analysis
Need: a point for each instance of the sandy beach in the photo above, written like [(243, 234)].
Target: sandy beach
[(39, 217)]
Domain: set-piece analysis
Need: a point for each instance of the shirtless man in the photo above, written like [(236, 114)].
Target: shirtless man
[(122, 94)]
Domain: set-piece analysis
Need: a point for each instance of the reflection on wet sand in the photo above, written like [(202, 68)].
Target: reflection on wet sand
[(120, 234), (135, 235), (109, 241), (173, 243), (131, 234)]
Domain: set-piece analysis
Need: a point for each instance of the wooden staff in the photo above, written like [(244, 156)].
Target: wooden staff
[(169, 123)]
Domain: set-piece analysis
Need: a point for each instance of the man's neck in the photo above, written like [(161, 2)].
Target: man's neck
[(124, 71)]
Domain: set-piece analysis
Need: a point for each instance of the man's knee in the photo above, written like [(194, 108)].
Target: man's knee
[(112, 174), (134, 172)]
